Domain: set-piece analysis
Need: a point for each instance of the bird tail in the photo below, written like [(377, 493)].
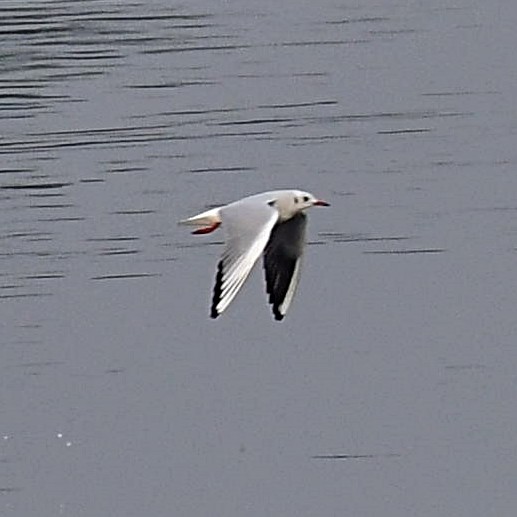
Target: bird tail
[(209, 218)]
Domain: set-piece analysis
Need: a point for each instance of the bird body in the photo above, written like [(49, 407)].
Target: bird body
[(270, 223)]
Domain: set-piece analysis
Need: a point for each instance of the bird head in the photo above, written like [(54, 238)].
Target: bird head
[(293, 201)]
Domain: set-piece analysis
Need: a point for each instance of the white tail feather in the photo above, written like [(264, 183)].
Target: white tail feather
[(207, 218)]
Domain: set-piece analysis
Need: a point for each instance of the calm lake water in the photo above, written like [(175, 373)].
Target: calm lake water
[(390, 388)]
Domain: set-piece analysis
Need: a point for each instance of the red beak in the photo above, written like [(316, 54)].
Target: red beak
[(320, 202)]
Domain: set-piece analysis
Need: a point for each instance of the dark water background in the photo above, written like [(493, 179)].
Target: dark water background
[(390, 389)]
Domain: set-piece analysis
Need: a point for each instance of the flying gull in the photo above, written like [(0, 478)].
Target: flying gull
[(269, 223)]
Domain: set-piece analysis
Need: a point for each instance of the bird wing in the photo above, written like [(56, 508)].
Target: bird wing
[(248, 224), (282, 262)]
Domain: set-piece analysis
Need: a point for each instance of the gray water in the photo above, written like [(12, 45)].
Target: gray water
[(390, 388)]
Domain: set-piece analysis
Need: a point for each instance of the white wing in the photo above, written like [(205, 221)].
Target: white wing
[(248, 224)]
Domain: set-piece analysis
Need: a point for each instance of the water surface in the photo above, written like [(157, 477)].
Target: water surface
[(390, 387)]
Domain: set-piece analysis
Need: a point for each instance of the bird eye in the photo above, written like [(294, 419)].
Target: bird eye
[(305, 198)]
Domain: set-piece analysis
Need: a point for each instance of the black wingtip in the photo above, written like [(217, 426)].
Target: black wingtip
[(217, 291), (278, 315)]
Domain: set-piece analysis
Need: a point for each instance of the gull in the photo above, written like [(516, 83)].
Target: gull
[(271, 224)]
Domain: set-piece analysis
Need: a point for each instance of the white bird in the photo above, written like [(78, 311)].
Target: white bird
[(272, 223)]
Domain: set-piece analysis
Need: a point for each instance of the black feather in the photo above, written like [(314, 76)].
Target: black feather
[(280, 257), (217, 290)]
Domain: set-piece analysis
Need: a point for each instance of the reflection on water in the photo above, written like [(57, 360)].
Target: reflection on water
[(50, 49), (91, 90)]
